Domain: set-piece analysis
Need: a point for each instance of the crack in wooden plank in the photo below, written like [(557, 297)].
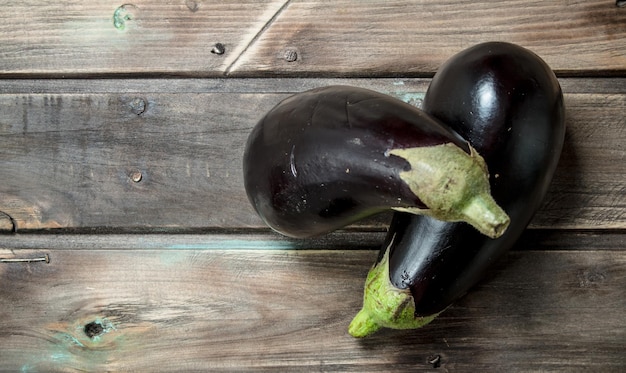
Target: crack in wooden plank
[(7, 223), (257, 36)]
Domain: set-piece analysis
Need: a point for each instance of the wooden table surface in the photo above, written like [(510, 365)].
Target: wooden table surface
[(122, 129)]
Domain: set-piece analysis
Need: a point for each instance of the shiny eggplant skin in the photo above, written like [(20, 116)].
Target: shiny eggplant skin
[(325, 158), (508, 104)]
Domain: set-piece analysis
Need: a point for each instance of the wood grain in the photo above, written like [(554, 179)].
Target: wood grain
[(374, 38), (146, 159), (239, 310), (348, 38), (121, 138), (101, 37)]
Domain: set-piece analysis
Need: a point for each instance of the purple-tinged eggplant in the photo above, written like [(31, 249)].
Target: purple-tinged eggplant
[(325, 158), (508, 104)]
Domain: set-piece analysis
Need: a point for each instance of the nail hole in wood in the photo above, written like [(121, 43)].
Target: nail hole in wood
[(93, 329), (136, 176), (290, 55), (435, 361), (218, 48), (138, 106)]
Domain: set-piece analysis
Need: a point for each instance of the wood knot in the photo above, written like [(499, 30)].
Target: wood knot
[(591, 277), (192, 6), (93, 329)]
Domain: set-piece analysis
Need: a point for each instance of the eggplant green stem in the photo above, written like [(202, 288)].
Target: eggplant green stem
[(484, 214), (454, 185), (384, 305)]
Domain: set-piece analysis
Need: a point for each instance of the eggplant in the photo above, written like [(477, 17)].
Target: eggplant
[(507, 102), (325, 158)]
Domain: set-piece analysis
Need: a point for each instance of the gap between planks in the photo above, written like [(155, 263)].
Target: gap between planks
[(164, 84), (531, 239)]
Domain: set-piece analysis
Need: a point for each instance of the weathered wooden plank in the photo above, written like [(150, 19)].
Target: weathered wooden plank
[(547, 239), (587, 165), (347, 37), (190, 310), (405, 37), (153, 160), (65, 38)]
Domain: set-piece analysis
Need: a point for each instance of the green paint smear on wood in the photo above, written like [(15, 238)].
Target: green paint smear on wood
[(74, 350), (121, 15), (411, 98)]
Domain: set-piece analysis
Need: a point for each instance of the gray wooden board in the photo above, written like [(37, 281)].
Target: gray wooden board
[(344, 37), (269, 310), (68, 156), (123, 129)]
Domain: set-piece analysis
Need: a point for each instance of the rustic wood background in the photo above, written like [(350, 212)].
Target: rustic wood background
[(121, 136)]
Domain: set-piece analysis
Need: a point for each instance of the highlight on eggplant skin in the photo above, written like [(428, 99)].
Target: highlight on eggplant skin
[(325, 158), (507, 102)]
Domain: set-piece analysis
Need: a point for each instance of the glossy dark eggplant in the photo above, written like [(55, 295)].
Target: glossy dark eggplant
[(508, 104), (325, 158)]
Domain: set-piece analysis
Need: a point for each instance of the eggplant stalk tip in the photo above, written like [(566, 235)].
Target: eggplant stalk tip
[(484, 214), (454, 185), (384, 305)]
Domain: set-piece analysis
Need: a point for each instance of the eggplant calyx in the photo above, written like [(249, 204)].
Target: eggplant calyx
[(384, 305), (454, 185)]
